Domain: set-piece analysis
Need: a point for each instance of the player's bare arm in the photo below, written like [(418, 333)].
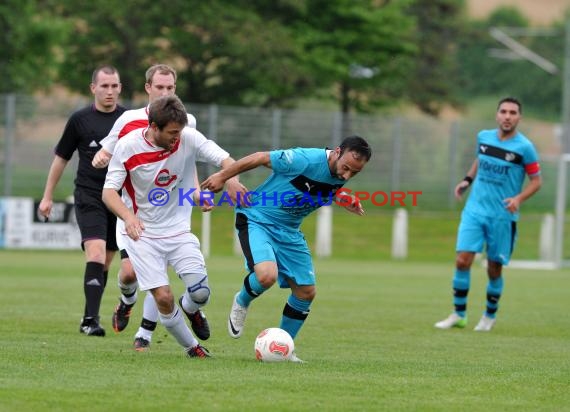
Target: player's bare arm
[(215, 182), (55, 171), (350, 202), (133, 225), (206, 205), (466, 182), (355, 207), (235, 189), (512, 204)]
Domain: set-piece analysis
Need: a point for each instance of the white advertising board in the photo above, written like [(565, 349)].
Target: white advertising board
[(25, 229)]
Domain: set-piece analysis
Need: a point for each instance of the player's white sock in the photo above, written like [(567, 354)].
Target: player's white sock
[(128, 291), (175, 324), (150, 311), (144, 333)]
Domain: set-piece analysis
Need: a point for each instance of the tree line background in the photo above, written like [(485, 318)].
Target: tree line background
[(351, 55)]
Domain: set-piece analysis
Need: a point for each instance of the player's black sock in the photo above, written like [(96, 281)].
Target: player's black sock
[(494, 290), (251, 289), (93, 286), (295, 313), (461, 282), (148, 324)]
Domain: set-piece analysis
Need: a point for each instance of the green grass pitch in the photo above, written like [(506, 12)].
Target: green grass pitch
[(369, 343)]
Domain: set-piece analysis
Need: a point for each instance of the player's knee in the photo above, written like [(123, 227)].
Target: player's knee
[(199, 291), (164, 299), (127, 274), (266, 278), (311, 294), (306, 293), (463, 261), (494, 269), (95, 251), (266, 274), (200, 295), (266, 281)]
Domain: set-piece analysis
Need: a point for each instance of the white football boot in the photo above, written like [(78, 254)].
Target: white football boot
[(295, 359), (485, 324), (236, 319), (452, 321)]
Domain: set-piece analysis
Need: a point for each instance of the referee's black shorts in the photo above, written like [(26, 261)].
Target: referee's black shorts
[(95, 221)]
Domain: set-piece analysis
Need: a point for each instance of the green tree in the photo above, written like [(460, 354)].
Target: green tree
[(363, 48), (223, 51), (29, 53), (434, 83), (360, 52), (484, 74), (232, 54), (127, 35), (257, 52), (541, 92)]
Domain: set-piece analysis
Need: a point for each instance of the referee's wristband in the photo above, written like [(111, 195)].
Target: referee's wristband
[(468, 179)]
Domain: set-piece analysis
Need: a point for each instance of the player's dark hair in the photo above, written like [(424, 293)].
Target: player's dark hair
[(165, 110), (105, 68), (356, 144), (159, 68), (510, 99)]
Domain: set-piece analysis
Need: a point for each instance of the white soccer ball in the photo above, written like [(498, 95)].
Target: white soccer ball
[(273, 345)]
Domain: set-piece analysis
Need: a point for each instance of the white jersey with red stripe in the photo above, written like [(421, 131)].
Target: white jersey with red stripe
[(129, 121), (158, 182)]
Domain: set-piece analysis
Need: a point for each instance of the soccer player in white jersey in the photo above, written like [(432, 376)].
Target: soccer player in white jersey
[(160, 80), (156, 168)]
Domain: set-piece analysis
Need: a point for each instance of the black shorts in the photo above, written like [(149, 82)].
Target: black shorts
[(95, 221)]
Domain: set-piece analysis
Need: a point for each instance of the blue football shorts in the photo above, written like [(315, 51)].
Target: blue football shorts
[(498, 235), (288, 248)]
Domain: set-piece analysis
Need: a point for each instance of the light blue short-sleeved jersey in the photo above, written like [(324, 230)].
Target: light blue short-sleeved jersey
[(301, 182), (502, 166)]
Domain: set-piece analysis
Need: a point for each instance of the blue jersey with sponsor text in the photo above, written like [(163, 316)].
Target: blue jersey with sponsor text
[(301, 182), (501, 170)]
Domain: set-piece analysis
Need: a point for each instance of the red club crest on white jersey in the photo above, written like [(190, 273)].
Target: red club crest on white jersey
[(164, 178)]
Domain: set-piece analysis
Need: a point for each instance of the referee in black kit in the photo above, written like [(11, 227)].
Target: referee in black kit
[(83, 131)]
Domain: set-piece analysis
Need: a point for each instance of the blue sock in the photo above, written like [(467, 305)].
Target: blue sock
[(294, 314), (461, 280), (494, 291), (250, 290)]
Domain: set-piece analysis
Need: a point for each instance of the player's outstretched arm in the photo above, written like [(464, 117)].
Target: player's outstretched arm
[(216, 181), (235, 189), (205, 204), (350, 202)]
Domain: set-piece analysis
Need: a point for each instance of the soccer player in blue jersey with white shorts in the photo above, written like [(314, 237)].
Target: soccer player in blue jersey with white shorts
[(504, 157), (268, 223)]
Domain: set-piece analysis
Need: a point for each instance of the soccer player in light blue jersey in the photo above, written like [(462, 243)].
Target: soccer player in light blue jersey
[(268, 222), (504, 157)]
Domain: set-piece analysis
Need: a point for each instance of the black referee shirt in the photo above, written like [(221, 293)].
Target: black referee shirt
[(83, 132)]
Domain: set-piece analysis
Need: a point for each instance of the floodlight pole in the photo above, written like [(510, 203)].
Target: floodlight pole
[(566, 92), (523, 52), (565, 140)]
